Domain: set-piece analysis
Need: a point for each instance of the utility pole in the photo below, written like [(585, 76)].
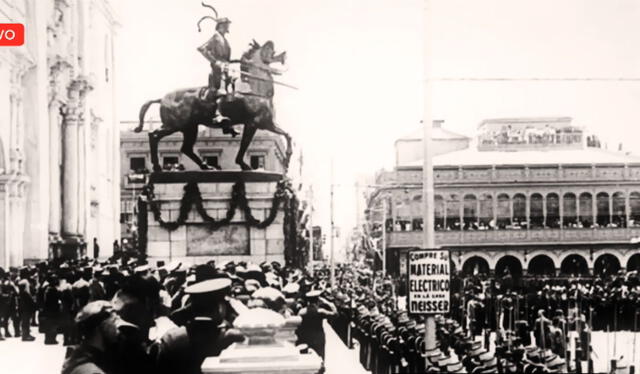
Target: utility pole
[(331, 260), (384, 236), (428, 240), (311, 249)]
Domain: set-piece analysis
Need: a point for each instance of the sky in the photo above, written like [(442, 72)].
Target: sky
[(360, 67)]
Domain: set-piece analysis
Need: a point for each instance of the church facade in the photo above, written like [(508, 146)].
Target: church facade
[(59, 120)]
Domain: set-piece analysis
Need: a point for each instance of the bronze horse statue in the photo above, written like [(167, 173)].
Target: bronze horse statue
[(184, 110)]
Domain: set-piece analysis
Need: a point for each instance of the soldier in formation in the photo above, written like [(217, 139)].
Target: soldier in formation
[(491, 331)]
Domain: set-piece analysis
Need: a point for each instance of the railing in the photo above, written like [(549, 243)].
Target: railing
[(471, 175), (502, 237)]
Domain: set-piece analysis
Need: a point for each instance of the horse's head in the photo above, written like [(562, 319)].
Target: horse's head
[(268, 54), (263, 54)]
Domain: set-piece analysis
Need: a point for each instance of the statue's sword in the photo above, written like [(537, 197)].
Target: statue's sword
[(249, 75)]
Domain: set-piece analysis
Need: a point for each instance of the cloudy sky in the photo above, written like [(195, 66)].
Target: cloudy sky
[(359, 66)]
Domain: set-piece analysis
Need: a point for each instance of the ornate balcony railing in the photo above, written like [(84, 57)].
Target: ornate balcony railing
[(502, 237), (510, 174)]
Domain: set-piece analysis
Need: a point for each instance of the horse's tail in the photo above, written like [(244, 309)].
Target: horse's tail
[(143, 111)]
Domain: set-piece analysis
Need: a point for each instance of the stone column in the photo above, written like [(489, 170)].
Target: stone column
[(561, 208), (54, 168), (83, 199), (610, 208), (594, 205), (4, 224), (494, 200), (461, 211), (544, 211), (444, 213), (511, 200), (627, 208), (70, 184)]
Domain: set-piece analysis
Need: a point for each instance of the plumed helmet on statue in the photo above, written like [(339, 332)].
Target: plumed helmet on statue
[(217, 19)]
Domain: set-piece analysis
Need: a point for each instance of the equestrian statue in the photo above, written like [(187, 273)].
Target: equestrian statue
[(245, 99)]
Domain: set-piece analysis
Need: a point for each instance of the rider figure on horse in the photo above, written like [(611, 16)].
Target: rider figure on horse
[(218, 52)]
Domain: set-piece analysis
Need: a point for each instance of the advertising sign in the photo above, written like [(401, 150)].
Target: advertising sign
[(429, 280)]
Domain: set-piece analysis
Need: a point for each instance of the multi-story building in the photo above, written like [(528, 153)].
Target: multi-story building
[(57, 122), (531, 195), (267, 152)]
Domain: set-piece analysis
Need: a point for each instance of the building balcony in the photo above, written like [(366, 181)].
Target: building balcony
[(399, 239), (476, 175)]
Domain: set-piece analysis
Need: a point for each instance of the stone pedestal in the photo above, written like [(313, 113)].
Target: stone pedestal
[(278, 358), (263, 350), (196, 240)]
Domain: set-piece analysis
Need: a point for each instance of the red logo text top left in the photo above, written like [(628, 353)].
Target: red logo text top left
[(11, 34)]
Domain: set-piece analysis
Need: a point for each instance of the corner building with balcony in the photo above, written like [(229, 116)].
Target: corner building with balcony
[(531, 196)]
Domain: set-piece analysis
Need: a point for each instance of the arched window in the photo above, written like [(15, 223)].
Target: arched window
[(633, 264), (453, 213), (519, 210), (606, 264), (541, 265), (486, 211), (537, 211), (569, 210), (475, 265), (553, 211), (504, 211), (470, 218), (574, 265), (585, 210), (603, 218), (508, 265), (619, 207)]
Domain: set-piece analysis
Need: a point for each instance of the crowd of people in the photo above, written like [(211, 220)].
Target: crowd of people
[(495, 325), (127, 316)]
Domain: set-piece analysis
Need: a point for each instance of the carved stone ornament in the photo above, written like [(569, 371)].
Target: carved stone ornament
[(59, 72)]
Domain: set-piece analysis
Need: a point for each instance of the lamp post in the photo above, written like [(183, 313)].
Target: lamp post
[(384, 236), (428, 240), (331, 242)]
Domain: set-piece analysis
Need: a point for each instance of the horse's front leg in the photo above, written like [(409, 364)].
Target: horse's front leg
[(154, 139), (247, 135), (190, 135)]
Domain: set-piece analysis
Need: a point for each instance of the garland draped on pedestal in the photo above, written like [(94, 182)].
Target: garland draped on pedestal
[(284, 196), (192, 197)]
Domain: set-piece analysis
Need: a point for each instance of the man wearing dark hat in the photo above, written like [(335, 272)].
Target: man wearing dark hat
[(311, 331), (183, 349), (100, 329), (51, 310), (27, 307), (138, 303), (5, 305), (218, 51)]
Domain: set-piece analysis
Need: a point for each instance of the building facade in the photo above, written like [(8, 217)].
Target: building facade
[(530, 196), (58, 120), (267, 152)]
